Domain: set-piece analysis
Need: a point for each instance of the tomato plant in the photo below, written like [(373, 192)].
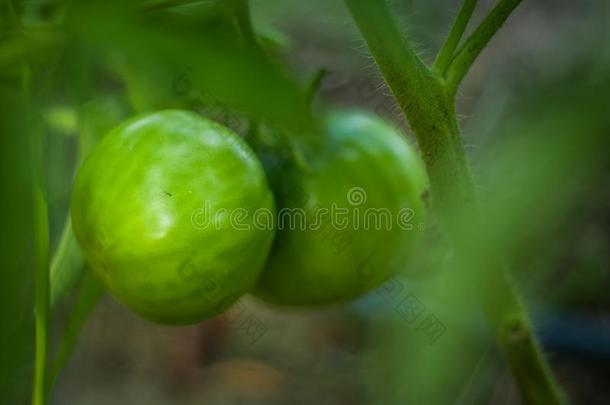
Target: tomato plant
[(133, 211), (131, 98)]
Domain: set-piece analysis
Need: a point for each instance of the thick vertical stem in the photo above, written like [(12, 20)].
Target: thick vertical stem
[(424, 100), (515, 337), (429, 106)]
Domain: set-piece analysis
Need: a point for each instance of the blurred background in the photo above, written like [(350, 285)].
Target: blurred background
[(535, 111)]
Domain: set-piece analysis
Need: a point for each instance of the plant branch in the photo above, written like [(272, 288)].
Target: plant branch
[(90, 292), (474, 45), (455, 35), (373, 17), (514, 334), (66, 265), (41, 306), (41, 268), (421, 95), (430, 110)]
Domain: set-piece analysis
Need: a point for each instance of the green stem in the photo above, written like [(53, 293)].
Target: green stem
[(90, 292), (455, 35), (423, 98), (41, 268), (66, 264), (430, 108), (474, 45), (515, 337), (42, 295), (40, 218), (95, 118)]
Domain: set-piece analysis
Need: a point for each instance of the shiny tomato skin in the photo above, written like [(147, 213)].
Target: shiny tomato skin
[(149, 209), (361, 164)]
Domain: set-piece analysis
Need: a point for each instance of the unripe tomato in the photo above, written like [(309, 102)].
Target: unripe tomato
[(371, 176), (151, 208)]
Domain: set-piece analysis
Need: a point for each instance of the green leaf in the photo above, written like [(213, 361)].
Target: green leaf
[(152, 54), (16, 257)]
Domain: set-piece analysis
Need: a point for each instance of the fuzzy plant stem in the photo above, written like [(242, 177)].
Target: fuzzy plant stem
[(428, 101), (474, 45), (453, 39)]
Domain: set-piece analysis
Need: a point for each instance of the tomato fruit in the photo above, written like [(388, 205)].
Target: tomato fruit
[(151, 207), (369, 174)]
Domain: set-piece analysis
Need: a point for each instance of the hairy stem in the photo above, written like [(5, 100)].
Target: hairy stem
[(474, 45), (430, 108), (455, 35), (515, 337), (423, 98)]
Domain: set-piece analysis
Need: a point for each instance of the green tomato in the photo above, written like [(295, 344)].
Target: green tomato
[(361, 192), (151, 209)]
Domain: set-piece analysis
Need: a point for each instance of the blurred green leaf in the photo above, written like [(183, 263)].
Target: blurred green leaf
[(153, 53), (551, 146), (16, 277)]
